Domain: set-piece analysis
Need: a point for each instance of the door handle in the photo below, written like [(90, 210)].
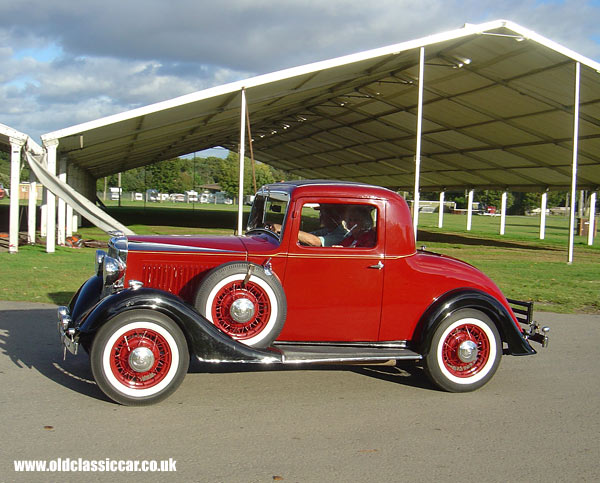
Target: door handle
[(377, 266)]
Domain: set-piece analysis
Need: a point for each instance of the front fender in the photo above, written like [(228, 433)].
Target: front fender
[(86, 297), (458, 299), (205, 341)]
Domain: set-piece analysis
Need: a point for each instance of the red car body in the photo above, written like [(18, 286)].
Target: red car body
[(333, 303)]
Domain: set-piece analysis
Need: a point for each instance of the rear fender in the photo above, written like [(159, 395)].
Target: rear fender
[(455, 300), (205, 341)]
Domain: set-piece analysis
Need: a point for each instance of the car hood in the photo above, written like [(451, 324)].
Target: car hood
[(185, 243), (253, 244)]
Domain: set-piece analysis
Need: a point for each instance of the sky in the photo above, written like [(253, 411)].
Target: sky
[(66, 62)]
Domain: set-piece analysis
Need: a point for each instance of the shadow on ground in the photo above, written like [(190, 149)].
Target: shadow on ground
[(29, 338), (424, 236), (403, 372)]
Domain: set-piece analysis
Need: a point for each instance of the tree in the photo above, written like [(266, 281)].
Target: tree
[(494, 198), (229, 175), (183, 174), (4, 169)]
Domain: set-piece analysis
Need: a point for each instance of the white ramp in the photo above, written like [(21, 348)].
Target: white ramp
[(36, 157)]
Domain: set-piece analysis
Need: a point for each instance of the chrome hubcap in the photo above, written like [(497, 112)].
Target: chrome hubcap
[(141, 359), (242, 310), (467, 351)]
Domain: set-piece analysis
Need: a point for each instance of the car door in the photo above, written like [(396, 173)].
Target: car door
[(334, 292)]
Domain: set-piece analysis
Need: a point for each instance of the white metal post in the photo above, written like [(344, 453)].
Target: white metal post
[(62, 176), (592, 225), (441, 213), (543, 215), (51, 148), (32, 212), (16, 144), (470, 210), (44, 212), (418, 147), (242, 153), (69, 221), (503, 213), (574, 170)]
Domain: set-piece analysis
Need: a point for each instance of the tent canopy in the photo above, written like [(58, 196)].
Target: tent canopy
[(497, 114)]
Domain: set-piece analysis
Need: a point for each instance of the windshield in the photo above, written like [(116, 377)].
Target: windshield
[(268, 209)]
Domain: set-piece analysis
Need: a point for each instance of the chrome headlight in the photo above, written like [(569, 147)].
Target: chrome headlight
[(112, 270), (111, 266)]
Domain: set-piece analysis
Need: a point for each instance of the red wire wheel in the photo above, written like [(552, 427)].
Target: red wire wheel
[(149, 344), (452, 344), (224, 300), (139, 357), (464, 351)]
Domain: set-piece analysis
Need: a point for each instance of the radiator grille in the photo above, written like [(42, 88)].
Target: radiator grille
[(181, 280)]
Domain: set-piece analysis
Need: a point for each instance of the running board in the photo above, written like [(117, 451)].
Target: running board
[(305, 353)]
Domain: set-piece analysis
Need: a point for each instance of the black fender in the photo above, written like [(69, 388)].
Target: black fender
[(88, 295), (468, 298), (205, 341)]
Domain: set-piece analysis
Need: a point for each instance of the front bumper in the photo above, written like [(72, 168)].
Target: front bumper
[(531, 330), (69, 338)]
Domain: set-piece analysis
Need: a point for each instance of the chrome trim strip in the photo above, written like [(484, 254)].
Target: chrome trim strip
[(388, 344), (411, 357), (136, 246)]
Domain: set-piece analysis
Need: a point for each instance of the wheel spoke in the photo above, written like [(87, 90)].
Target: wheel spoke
[(227, 296), (462, 333), (120, 359)]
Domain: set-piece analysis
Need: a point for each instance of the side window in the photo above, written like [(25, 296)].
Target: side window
[(338, 225), (322, 224)]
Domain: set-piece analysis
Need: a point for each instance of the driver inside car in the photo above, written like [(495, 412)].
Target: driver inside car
[(332, 231)]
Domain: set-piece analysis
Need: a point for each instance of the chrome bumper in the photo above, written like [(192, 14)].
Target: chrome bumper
[(68, 335), (531, 330)]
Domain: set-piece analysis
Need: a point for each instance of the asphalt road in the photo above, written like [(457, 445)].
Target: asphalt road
[(537, 420)]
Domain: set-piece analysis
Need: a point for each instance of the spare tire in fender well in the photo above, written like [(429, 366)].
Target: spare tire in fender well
[(243, 301)]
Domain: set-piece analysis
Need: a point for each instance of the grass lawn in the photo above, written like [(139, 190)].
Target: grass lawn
[(523, 266)]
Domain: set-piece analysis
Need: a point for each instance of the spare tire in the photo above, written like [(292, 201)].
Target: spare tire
[(244, 302)]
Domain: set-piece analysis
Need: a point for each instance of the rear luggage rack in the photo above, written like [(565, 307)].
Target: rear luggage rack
[(532, 331)]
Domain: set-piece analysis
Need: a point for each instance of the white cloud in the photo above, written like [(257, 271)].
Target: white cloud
[(66, 62)]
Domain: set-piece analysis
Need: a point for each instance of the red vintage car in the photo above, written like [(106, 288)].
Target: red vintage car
[(327, 272)]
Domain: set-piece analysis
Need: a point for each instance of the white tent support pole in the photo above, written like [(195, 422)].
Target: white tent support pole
[(543, 215), (592, 224), (32, 212), (69, 221), (574, 172), (503, 213), (62, 221), (441, 213), (418, 147), (242, 153), (470, 210), (51, 148), (44, 211), (16, 145)]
